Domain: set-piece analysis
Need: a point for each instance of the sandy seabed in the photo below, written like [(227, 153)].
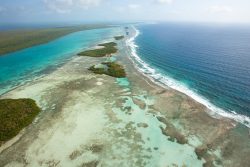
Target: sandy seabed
[(94, 120)]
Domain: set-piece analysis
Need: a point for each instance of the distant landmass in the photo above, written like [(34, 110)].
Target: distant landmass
[(15, 40)]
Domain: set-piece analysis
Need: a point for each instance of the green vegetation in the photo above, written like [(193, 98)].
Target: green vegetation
[(108, 49), (109, 68), (15, 114), (11, 41), (109, 45), (119, 37)]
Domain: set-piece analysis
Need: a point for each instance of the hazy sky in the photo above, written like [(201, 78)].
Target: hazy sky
[(124, 10)]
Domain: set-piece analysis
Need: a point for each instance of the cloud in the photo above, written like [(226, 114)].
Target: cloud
[(119, 9), (59, 6), (133, 6), (220, 9), (126, 9), (163, 1), (88, 3), (66, 6)]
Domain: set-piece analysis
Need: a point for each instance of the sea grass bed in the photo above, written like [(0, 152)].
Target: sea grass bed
[(15, 114), (108, 49)]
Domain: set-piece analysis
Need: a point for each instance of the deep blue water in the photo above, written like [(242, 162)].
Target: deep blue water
[(213, 61), (24, 65)]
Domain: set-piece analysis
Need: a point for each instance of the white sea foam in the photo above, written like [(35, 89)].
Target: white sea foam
[(166, 81)]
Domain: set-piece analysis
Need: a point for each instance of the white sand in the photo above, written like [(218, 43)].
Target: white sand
[(80, 124)]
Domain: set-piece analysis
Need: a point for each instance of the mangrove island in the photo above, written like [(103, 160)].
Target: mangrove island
[(109, 68), (119, 37), (15, 114), (106, 49)]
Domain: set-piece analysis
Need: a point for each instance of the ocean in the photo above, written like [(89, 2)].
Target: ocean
[(25, 65), (209, 63)]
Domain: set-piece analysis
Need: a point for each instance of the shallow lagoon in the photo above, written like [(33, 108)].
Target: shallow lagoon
[(26, 64)]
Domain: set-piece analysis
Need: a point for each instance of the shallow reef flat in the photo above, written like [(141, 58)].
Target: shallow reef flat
[(95, 120)]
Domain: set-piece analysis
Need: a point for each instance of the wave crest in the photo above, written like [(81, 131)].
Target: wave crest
[(168, 82)]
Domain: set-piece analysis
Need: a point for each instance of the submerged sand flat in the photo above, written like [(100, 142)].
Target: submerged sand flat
[(94, 120), (85, 122)]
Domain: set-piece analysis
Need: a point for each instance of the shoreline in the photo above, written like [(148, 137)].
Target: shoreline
[(167, 82), (14, 38), (39, 74), (83, 113), (49, 61)]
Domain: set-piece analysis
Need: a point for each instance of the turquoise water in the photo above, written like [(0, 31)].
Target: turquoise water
[(19, 67), (123, 82)]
